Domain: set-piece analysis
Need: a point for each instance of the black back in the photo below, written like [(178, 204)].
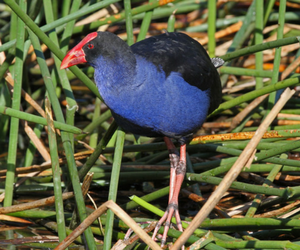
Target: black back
[(185, 56)]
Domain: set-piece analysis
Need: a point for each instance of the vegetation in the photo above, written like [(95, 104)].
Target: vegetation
[(62, 154)]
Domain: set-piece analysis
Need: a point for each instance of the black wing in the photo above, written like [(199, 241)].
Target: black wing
[(185, 56)]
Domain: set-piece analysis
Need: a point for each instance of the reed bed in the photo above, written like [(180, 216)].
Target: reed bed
[(71, 178)]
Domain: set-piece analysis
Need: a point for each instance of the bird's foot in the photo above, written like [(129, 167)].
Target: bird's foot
[(172, 209), (147, 226)]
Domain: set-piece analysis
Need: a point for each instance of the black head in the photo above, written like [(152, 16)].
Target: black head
[(96, 45)]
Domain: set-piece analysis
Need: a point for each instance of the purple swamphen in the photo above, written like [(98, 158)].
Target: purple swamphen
[(163, 86)]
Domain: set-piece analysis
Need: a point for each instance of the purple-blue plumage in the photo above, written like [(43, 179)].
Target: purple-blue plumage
[(161, 86)]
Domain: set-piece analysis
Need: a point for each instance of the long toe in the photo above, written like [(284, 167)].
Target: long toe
[(172, 209), (159, 224)]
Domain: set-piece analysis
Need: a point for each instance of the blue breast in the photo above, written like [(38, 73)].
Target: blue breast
[(146, 102)]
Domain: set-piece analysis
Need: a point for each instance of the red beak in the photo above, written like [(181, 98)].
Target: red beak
[(76, 55)]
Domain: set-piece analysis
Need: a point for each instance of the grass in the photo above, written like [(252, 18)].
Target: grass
[(261, 56)]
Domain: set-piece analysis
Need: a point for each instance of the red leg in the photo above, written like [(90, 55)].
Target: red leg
[(174, 159), (177, 173)]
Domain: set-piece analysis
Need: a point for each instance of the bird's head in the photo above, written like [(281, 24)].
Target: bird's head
[(78, 54), (90, 48), (95, 46)]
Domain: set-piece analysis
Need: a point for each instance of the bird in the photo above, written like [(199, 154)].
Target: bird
[(163, 86)]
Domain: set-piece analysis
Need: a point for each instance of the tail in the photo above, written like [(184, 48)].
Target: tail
[(217, 62)]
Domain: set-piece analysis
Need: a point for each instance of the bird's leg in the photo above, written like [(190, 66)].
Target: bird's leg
[(177, 172), (173, 203), (174, 159)]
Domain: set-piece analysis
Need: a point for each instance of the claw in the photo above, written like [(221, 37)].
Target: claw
[(177, 172)]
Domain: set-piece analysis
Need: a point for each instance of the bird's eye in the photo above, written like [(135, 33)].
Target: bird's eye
[(91, 46)]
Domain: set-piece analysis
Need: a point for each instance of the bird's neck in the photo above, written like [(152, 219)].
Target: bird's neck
[(115, 72)]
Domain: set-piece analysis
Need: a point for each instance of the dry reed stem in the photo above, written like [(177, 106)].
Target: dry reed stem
[(250, 160), (26, 96), (279, 211), (95, 207), (202, 200), (290, 68), (118, 212), (47, 164), (240, 116), (37, 142), (235, 136), (269, 55), (121, 244), (289, 214), (87, 181), (29, 131), (19, 182), (222, 33), (84, 189), (112, 9), (2, 55), (273, 37), (288, 116), (207, 125), (233, 89), (32, 58), (232, 211), (286, 177), (233, 172), (34, 204), (289, 4), (28, 240), (4, 217)]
